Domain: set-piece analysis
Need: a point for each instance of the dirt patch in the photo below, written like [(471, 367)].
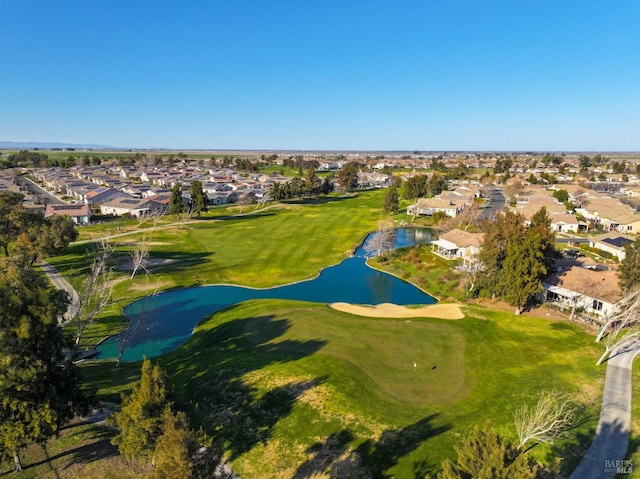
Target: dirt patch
[(389, 310)]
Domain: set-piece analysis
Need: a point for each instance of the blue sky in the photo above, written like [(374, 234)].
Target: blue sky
[(334, 75)]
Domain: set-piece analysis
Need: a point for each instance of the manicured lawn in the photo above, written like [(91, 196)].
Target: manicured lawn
[(276, 246), (297, 388), (281, 383)]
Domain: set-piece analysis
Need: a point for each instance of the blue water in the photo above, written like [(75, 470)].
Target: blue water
[(165, 321)]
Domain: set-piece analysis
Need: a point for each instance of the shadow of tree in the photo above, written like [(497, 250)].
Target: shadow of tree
[(318, 200), (370, 459), (580, 458), (209, 370), (98, 447)]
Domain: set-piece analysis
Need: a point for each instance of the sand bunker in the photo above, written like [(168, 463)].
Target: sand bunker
[(389, 310)]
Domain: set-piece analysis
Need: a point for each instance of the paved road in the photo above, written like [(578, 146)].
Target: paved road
[(61, 283), (45, 196), (610, 445), (496, 202)]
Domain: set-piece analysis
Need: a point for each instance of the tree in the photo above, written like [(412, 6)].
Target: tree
[(95, 293), (561, 195), (435, 185), (176, 204), (391, 200), (141, 418), (550, 418), (493, 251), (174, 453), (511, 190), (139, 257), (540, 224), (10, 211), (515, 259), (32, 236), (311, 181), (198, 198), (580, 198), (348, 176), (622, 325), (629, 269), (522, 271), (415, 187), (327, 186), (382, 240), (39, 392), (42, 237), (486, 455)]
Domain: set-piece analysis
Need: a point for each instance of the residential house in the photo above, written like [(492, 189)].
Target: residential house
[(134, 207), (80, 213), (459, 244), (583, 287), (612, 243), (103, 194), (429, 206), (566, 223)]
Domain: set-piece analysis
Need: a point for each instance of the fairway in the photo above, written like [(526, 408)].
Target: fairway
[(292, 388), (278, 382)]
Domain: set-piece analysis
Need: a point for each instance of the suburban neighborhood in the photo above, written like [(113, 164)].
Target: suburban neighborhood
[(320, 240)]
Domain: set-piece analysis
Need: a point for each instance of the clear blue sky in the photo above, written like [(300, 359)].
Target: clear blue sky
[(359, 75)]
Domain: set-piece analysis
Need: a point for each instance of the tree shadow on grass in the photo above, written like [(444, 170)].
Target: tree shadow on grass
[(371, 459), (243, 216), (318, 200), (210, 371), (98, 447)]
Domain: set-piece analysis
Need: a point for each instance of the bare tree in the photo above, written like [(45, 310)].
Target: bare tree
[(551, 417), (186, 216), (382, 240), (583, 290), (139, 257), (622, 325), (580, 198), (266, 197), (467, 217), (512, 190), (96, 288), (125, 337)]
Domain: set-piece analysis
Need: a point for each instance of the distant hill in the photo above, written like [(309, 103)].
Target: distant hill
[(28, 145)]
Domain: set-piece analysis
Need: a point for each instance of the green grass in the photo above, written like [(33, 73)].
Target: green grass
[(421, 267), (81, 451), (279, 382), (291, 387), (264, 248)]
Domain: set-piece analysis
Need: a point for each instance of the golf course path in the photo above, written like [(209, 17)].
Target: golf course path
[(609, 448), (59, 282)]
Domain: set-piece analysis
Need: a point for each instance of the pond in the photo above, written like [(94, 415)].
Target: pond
[(165, 321)]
